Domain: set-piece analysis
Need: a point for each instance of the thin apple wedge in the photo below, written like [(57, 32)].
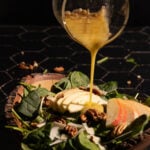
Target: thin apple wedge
[(115, 112), (74, 100), (121, 111)]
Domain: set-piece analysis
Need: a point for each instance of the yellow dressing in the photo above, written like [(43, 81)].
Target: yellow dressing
[(90, 29)]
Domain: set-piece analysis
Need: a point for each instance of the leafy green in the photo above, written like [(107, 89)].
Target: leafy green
[(38, 138), (63, 84), (42, 92), (29, 87), (132, 130), (102, 60), (60, 146), (78, 79), (25, 147), (131, 60), (30, 102), (74, 79), (70, 145), (147, 101), (29, 105), (109, 86), (84, 143)]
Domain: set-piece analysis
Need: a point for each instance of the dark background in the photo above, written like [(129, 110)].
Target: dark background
[(53, 48), (39, 12)]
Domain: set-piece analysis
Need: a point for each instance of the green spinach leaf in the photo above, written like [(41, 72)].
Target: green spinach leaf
[(84, 143), (74, 79), (71, 145), (30, 103), (78, 79), (109, 86), (63, 84), (38, 139)]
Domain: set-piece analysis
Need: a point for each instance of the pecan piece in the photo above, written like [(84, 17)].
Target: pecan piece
[(119, 129), (60, 120), (59, 69), (71, 130), (92, 115)]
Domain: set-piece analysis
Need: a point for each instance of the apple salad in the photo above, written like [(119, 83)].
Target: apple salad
[(63, 118)]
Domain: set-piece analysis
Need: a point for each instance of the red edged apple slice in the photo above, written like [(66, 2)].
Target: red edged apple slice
[(131, 114), (124, 111), (138, 108), (116, 113)]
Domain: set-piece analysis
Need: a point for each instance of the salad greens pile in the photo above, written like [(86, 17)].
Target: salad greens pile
[(41, 131)]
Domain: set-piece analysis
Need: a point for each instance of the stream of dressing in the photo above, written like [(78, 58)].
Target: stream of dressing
[(90, 29)]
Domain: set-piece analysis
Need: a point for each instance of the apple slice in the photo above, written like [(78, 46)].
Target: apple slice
[(74, 100), (130, 113), (121, 111), (72, 97), (73, 108), (116, 113)]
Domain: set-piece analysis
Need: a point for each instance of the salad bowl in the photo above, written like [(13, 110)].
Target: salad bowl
[(51, 111), (35, 79)]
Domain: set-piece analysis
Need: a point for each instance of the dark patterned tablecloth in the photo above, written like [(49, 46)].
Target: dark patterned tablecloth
[(128, 60)]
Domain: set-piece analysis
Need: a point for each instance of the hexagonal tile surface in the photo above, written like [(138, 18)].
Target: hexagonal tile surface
[(51, 47)]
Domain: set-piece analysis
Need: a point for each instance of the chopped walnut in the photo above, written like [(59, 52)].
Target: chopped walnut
[(34, 124), (71, 130), (59, 95), (25, 66), (47, 102), (60, 120), (92, 115), (119, 129), (83, 118), (59, 69)]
